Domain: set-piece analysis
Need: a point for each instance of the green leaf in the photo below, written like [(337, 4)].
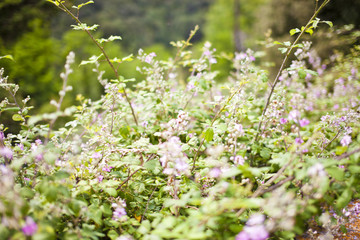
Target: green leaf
[(340, 150), (111, 191), (302, 74), (328, 23), (344, 199), (265, 153), (336, 173), (17, 118), (92, 60), (294, 31), (209, 134), (309, 31), (112, 234), (83, 4), (7, 57), (283, 50), (110, 39)]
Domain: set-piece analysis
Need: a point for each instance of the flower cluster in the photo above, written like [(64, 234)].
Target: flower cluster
[(254, 229)]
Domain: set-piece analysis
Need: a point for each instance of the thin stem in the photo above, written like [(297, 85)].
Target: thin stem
[(212, 123), (337, 134), (262, 189), (65, 9), (284, 63)]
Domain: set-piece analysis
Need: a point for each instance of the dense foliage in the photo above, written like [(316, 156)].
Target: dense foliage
[(183, 157)]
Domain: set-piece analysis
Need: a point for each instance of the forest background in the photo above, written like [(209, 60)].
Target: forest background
[(39, 37)]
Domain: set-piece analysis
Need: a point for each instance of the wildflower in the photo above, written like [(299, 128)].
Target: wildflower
[(298, 141), (38, 141), (239, 160), (30, 227), (97, 155), (303, 122), (150, 57), (106, 168), (317, 170), (120, 212), (215, 172), (283, 120), (254, 229), (6, 153), (100, 178), (345, 141), (294, 115), (39, 157)]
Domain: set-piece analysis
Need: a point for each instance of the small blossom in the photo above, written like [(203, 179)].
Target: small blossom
[(345, 141), (100, 178), (298, 141), (283, 120), (6, 153), (97, 155), (303, 122), (239, 160), (38, 141), (30, 227), (150, 57), (294, 115), (215, 172)]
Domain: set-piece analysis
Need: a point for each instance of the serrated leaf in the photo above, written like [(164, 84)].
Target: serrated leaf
[(84, 26), (109, 39), (83, 4), (92, 60), (209, 134)]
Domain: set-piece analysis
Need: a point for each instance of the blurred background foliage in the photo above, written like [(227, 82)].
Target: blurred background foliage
[(39, 36)]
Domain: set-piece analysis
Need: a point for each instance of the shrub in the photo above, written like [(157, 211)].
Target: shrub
[(187, 158)]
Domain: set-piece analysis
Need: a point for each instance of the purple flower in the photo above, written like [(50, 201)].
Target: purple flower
[(6, 153), (100, 178), (294, 115), (106, 168), (38, 141), (39, 157), (303, 122), (239, 160), (150, 57), (30, 227), (97, 155), (2, 136), (283, 120), (21, 146), (215, 172), (298, 141), (254, 229), (345, 141)]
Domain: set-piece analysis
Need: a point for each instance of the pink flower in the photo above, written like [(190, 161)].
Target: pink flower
[(100, 178), (6, 153), (298, 141), (303, 122), (294, 115), (30, 227), (345, 141), (283, 120), (97, 155)]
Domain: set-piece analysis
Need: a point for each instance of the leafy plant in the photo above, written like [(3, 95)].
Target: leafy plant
[(182, 156)]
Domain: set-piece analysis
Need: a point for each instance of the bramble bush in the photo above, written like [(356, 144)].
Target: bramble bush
[(188, 158)]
